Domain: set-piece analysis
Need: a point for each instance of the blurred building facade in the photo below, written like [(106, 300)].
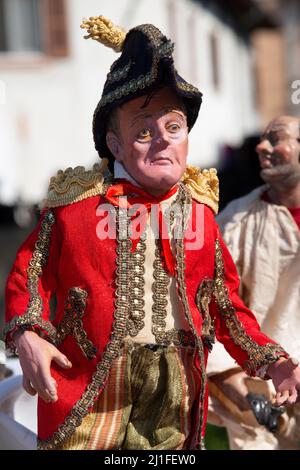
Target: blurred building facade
[(291, 27), (51, 80), (277, 59)]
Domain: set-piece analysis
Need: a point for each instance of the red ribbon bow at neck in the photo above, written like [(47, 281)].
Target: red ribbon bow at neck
[(137, 196)]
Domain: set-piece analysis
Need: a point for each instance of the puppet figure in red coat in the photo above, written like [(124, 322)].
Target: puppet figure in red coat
[(142, 279)]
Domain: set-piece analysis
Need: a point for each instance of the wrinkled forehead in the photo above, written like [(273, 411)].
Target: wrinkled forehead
[(159, 102), (289, 127)]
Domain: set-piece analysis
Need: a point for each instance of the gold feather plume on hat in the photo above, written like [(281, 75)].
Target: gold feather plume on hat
[(103, 30)]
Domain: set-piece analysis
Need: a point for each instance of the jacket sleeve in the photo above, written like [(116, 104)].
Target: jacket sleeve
[(32, 281), (235, 325)]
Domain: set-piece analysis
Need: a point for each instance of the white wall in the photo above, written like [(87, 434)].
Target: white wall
[(227, 114), (46, 120)]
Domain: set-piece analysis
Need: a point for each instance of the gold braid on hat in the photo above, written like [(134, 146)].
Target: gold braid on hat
[(103, 30)]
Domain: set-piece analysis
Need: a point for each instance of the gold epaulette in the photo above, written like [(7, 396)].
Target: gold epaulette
[(75, 184), (204, 186)]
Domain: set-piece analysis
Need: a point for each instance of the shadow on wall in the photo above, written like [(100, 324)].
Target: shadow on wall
[(238, 170)]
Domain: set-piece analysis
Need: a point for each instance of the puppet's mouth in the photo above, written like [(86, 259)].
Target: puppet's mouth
[(161, 161)]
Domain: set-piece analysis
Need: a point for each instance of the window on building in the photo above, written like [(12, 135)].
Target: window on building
[(173, 17), (33, 26), (193, 51), (214, 54)]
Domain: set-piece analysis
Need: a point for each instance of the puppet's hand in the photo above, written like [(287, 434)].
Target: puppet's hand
[(285, 374), (36, 355)]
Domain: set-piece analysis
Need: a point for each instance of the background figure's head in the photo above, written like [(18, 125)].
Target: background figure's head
[(279, 153), (149, 136)]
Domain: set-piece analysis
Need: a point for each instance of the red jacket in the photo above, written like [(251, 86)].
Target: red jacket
[(64, 256)]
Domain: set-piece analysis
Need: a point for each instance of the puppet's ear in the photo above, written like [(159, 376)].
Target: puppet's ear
[(114, 145)]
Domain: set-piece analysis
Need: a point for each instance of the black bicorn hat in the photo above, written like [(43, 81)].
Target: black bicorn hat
[(146, 63)]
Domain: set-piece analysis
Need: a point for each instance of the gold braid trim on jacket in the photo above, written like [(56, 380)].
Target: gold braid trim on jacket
[(203, 185), (77, 184)]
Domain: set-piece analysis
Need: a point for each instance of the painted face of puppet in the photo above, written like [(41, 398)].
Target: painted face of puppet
[(279, 151), (152, 142)]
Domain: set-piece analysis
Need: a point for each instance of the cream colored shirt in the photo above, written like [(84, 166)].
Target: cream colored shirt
[(264, 241), (175, 313)]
